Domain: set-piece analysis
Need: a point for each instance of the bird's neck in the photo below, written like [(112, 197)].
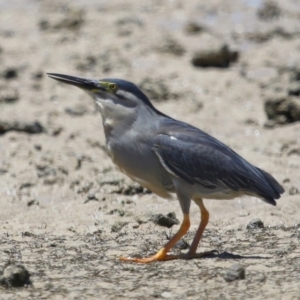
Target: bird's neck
[(142, 122)]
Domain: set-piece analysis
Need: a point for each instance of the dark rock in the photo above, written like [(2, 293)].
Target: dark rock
[(282, 109), (269, 11), (10, 73), (14, 275), (132, 189), (118, 226), (255, 224), (182, 245), (235, 272), (32, 202), (27, 234), (166, 221), (193, 28), (220, 57), (32, 128)]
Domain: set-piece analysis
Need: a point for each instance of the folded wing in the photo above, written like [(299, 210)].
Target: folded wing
[(198, 158)]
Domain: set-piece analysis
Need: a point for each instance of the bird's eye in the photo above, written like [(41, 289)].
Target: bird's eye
[(113, 87)]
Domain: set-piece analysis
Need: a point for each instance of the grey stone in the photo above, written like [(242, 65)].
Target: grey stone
[(255, 224), (235, 272), (166, 221), (14, 275)]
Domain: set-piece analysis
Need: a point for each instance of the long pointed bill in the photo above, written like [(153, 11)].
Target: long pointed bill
[(86, 84)]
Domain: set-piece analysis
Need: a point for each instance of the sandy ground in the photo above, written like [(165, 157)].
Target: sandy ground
[(67, 214)]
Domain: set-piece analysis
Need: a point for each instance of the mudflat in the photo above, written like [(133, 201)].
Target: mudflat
[(230, 68)]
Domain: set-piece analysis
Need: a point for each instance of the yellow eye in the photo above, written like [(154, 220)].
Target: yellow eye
[(113, 87)]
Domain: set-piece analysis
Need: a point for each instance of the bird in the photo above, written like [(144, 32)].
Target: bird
[(168, 157)]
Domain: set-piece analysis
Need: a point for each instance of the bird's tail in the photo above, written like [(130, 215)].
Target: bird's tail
[(274, 189)]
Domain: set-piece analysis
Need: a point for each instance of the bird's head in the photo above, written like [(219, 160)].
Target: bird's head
[(119, 101)]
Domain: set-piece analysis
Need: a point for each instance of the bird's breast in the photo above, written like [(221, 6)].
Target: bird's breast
[(140, 163)]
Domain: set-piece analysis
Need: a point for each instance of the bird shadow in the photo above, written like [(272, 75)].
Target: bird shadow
[(227, 255)]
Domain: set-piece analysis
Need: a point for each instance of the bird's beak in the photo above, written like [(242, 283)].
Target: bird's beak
[(83, 83)]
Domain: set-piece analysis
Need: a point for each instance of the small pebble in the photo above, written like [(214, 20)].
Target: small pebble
[(167, 295), (234, 272), (182, 245), (166, 221), (255, 224)]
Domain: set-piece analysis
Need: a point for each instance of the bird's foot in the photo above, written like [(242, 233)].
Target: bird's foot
[(162, 256)]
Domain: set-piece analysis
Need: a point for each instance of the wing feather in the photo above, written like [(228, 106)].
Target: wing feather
[(198, 158)]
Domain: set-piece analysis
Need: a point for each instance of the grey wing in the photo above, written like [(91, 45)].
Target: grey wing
[(211, 167)]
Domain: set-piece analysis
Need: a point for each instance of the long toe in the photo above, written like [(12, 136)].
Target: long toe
[(146, 260)]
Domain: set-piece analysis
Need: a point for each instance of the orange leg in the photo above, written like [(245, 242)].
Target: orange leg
[(200, 230), (204, 220), (162, 254)]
